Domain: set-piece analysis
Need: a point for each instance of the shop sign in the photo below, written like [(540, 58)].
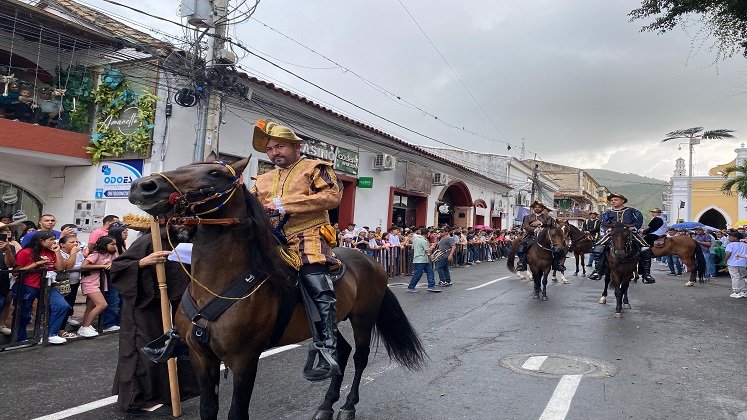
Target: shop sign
[(113, 178), (418, 178), (346, 161), (126, 122), (318, 149), (365, 182)]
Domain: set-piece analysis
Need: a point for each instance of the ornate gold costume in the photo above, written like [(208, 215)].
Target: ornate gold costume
[(306, 191)]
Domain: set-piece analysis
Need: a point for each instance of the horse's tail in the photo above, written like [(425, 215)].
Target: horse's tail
[(400, 339), (510, 258), (700, 262)]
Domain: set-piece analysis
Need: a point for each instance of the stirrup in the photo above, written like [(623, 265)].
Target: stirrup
[(165, 347), (325, 369)]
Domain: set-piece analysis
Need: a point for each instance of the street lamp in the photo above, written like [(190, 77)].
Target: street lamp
[(694, 136)]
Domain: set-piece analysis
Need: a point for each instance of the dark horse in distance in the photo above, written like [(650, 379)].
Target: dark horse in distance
[(550, 246), (581, 244), (622, 260), (236, 238)]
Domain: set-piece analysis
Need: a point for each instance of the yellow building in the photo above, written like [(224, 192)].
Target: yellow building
[(710, 205)]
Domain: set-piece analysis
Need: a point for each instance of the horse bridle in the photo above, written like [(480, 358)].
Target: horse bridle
[(185, 204), (628, 248), (547, 236)]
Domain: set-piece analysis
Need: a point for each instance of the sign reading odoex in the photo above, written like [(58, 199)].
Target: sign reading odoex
[(113, 178)]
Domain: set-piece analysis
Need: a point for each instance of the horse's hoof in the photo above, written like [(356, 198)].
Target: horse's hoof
[(566, 281), (544, 298), (618, 314), (554, 280), (576, 274), (535, 296), (602, 300), (323, 415), (346, 415), (626, 306), (583, 275), (689, 284)]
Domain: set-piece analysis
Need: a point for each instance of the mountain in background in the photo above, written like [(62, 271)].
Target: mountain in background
[(642, 192)]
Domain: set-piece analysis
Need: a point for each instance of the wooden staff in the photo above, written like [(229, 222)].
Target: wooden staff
[(155, 232)]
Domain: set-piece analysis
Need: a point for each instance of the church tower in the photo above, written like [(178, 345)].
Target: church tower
[(679, 168)]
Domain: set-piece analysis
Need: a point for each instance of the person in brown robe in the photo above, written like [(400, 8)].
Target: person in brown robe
[(139, 383)]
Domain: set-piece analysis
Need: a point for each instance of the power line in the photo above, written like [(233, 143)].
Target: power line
[(464, 85)]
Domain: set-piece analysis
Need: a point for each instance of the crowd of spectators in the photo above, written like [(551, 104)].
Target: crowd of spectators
[(40, 255)]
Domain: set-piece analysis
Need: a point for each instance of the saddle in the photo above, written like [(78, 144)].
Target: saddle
[(660, 243)]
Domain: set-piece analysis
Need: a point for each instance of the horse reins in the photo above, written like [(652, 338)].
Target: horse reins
[(182, 203)]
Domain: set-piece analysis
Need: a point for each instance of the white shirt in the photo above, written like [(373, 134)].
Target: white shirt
[(737, 248)]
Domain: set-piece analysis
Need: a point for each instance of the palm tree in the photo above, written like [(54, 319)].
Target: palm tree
[(696, 134), (739, 181)]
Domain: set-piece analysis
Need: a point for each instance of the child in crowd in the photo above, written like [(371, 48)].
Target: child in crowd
[(100, 258)]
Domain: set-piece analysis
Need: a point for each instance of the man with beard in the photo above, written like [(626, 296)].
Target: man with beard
[(142, 386)]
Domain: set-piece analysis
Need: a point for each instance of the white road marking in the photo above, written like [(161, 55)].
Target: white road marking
[(534, 362), (489, 283), (113, 399), (560, 402)]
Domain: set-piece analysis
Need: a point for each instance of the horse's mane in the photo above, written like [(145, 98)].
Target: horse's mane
[(262, 244)]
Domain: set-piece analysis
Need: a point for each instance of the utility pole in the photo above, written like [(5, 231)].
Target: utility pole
[(210, 113), (535, 183)]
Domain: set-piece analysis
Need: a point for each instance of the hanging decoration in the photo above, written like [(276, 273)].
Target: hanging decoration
[(10, 196), (124, 120), (20, 216), (7, 80)]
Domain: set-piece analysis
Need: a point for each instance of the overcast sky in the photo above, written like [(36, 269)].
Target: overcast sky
[(575, 78)]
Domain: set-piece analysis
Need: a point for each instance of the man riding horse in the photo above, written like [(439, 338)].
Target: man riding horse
[(301, 191), (631, 218), (532, 224)]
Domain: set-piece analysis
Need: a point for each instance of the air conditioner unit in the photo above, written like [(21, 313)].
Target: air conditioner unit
[(384, 162), (439, 178)]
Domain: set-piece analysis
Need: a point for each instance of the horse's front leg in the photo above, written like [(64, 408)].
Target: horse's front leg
[(618, 298), (544, 285), (603, 299), (243, 365), (583, 266), (575, 255), (362, 333), (626, 304), (325, 410), (554, 275), (207, 369), (537, 279)]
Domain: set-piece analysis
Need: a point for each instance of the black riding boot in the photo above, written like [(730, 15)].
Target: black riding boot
[(644, 267), (521, 252), (601, 263), (319, 287)]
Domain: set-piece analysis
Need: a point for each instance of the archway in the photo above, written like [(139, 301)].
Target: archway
[(713, 218), (454, 205), (481, 212)]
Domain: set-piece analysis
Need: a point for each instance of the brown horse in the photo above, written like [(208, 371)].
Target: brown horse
[(688, 251), (550, 245), (581, 244), (236, 237), (622, 260)]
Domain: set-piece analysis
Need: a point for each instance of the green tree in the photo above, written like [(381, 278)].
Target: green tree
[(724, 20), (739, 182)]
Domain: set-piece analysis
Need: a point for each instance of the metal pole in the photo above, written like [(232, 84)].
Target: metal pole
[(689, 212)]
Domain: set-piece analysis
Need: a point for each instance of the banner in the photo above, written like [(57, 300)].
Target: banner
[(113, 178)]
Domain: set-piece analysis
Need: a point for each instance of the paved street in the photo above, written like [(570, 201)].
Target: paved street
[(495, 353)]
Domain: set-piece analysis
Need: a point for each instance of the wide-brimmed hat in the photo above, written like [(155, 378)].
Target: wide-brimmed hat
[(655, 210), (265, 131), (538, 203), (620, 196)]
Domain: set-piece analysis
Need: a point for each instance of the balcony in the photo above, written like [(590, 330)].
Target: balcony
[(40, 145)]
